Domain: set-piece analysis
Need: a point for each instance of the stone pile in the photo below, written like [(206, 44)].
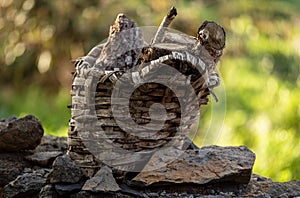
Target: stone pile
[(212, 171)]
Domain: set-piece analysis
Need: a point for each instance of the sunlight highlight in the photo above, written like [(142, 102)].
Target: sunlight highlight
[(44, 62)]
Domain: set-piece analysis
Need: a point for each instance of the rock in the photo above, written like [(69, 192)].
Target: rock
[(103, 181), (27, 185), (11, 165), (264, 187), (52, 143), (44, 159), (48, 191), (65, 189), (20, 134), (64, 170), (211, 164)]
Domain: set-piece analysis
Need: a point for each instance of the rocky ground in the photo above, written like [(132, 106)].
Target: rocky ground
[(33, 165)]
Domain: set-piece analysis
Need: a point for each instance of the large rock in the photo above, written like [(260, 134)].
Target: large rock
[(20, 134), (64, 170), (211, 164), (27, 185)]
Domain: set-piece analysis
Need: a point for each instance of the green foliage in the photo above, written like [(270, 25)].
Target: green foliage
[(51, 110), (259, 98)]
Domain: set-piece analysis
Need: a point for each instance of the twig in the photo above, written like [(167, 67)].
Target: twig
[(164, 24)]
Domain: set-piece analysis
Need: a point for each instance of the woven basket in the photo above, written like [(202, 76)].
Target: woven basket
[(172, 74)]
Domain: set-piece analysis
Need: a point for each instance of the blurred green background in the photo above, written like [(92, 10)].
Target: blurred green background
[(259, 100)]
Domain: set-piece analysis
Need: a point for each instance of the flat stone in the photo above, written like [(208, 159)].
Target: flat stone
[(20, 134), (203, 166), (64, 170), (27, 185), (43, 159), (103, 181)]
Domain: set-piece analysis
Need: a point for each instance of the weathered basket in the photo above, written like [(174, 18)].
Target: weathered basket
[(94, 117), (140, 102)]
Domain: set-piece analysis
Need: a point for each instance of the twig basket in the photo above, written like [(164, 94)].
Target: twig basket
[(122, 114)]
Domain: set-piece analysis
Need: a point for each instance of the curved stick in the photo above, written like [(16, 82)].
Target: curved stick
[(164, 24)]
